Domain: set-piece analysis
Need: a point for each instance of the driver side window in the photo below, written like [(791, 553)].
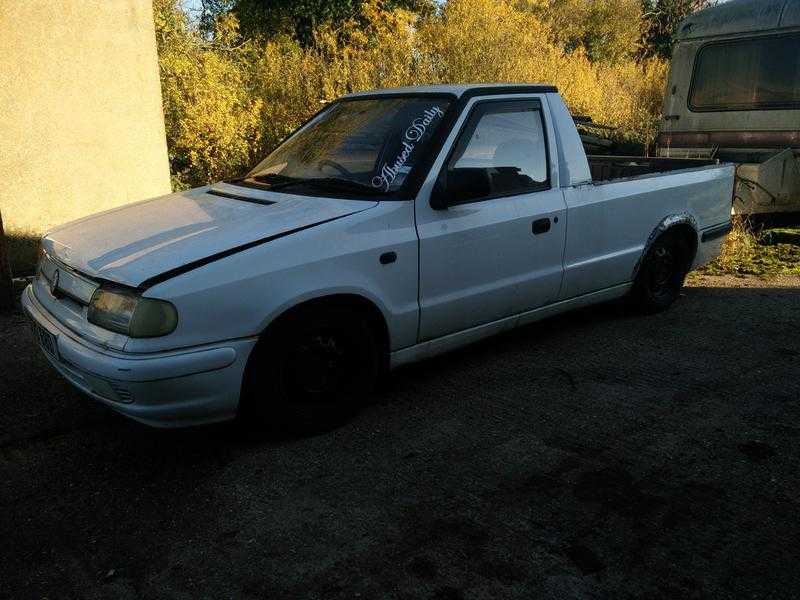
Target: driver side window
[(502, 147)]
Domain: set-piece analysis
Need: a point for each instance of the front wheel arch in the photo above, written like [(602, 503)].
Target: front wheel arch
[(361, 304), (363, 310)]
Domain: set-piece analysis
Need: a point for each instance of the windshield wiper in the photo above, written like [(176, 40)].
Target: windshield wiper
[(262, 182), (275, 181), (270, 181), (346, 185), (273, 178), (279, 182)]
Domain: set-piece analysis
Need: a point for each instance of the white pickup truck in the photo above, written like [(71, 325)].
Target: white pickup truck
[(392, 226)]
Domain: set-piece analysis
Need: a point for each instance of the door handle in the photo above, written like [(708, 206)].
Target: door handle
[(540, 226)]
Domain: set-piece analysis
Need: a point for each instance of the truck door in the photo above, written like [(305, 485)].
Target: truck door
[(498, 252)]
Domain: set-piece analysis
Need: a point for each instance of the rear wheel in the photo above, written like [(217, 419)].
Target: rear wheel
[(661, 275), (311, 371)]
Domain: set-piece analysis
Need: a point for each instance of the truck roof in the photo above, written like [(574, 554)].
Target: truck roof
[(741, 16), (459, 90)]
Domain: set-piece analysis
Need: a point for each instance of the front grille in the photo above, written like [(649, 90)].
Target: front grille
[(123, 393), (109, 389), (64, 281), (47, 341)]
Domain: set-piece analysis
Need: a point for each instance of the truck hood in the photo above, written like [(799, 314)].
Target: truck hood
[(139, 242)]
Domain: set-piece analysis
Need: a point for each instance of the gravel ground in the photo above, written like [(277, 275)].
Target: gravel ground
[(593, 455)]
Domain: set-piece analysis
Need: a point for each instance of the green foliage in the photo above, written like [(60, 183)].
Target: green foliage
[(661, 22), (298, 19), (211, 116), (608, 30)]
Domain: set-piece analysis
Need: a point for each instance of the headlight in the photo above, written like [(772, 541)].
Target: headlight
[(126, 312)]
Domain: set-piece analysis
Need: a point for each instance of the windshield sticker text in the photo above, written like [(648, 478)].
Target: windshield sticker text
[(412, 135)]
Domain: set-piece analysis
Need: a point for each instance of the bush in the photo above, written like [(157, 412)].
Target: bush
[(749, 251), (228, 100)]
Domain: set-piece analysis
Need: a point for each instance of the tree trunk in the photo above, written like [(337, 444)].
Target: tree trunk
[(6, 285)]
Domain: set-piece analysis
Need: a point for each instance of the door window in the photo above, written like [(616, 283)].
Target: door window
[(503, 143)]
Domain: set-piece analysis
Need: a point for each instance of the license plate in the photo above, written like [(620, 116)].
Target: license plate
[(47, 341)]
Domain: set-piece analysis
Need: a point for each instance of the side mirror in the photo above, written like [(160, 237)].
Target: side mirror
[(458, 186)]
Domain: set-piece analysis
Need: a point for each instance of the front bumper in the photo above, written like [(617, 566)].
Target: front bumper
[(190, 386)]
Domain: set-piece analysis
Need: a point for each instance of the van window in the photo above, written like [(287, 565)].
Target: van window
[(747, 74)]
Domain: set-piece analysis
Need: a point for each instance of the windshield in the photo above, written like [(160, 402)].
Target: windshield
[(367, 145)]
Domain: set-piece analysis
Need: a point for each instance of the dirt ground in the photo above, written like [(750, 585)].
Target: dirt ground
[(593, 455)]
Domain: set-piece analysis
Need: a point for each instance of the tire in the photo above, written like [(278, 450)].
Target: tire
[(311, 372), (661, 275)]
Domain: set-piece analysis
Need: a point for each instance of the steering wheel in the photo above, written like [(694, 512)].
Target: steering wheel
[(334, 165)]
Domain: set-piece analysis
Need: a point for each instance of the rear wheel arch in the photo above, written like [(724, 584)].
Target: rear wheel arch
[(684, 226), (689, 235), (666, 260)]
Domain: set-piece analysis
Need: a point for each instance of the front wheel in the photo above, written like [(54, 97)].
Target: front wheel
[(310, 372), (662, 273)]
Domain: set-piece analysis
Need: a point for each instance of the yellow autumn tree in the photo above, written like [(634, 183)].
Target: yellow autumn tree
[(229, 100), (212, 118), (496, 40)]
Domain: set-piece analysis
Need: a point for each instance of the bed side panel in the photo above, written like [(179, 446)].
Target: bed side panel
[(608, 225)]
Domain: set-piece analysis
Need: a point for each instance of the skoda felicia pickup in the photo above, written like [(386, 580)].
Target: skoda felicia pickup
[(392, 226)]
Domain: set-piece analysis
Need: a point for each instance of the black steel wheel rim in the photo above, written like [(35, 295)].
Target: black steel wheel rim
[(319, 365), (662, 271)]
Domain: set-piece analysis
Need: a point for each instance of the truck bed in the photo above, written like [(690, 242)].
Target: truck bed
[(608, 168)]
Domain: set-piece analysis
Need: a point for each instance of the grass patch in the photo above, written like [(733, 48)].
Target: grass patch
[(23, 251), (769, 253)]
